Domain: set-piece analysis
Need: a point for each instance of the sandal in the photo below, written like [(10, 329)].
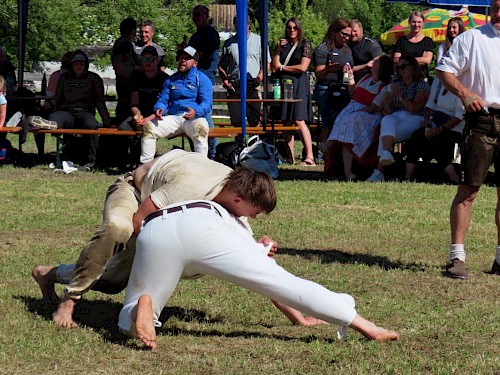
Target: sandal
[(308, 163)]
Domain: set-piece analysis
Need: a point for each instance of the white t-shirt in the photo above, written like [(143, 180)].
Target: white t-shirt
[(449, 104), (473, 58)]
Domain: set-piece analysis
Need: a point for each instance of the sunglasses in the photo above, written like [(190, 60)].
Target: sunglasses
[(402, 66), (148, 59), (344, 35), (292, 28)]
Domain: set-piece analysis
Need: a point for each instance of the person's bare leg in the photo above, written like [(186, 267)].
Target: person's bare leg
[(452, 173), (296, 316), (290, 140), (371, 331), (347, 159), (387, 142), (306, 139), (63, 316), (460, 212), (143, 317), (46, 277), (410, 168)]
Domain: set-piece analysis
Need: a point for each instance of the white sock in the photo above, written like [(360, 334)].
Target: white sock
[(457, 251), (497, 255)]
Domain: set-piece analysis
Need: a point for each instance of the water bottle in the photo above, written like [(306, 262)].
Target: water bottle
[(277, 90), (288, 89), (345, 79)]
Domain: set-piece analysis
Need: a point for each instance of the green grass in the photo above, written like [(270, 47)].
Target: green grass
[(385, 244)]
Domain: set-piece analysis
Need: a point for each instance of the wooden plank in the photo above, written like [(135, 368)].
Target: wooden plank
[(10, 129)]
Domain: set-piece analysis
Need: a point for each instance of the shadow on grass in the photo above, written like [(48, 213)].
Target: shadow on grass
[(338, 256), (102, 317), (302, 175)]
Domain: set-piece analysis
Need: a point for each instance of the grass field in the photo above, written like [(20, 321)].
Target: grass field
[(385, 244)]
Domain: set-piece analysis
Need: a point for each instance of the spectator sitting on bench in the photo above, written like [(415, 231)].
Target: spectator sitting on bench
[(79, 92), (187, 98), (145, 86)]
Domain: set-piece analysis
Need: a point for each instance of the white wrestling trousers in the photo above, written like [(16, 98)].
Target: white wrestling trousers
[(200, 241), (172, 125)]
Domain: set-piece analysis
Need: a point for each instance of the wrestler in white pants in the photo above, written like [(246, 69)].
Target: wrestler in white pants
[(172, 125), (212, 242), (400, 125)]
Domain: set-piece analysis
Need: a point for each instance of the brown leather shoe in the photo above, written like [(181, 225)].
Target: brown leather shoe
[(456, 270)]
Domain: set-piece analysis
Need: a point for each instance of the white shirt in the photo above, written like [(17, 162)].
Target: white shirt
[(449, 104), (254, 53), (473, 58)]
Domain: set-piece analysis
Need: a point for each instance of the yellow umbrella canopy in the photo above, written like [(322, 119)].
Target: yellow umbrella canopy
[(435, 24)]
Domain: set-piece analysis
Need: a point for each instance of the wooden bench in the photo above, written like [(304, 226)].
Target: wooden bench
[(10, 129)]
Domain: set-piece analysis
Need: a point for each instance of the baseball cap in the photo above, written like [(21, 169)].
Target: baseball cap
[(79, 57), (188, 51)]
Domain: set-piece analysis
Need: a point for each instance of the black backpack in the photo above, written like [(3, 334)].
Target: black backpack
[(228, 153)]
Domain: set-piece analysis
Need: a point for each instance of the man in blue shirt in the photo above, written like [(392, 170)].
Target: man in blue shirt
[(187, 98)]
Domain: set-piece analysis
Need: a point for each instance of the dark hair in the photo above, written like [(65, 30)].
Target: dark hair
[(461, 27), (87, 62), (66, 60), (255, 187), (300, 31), (202, 7), (386, 69), (417, 74), (335, 26), (149, 50), (127, 26), (147, 23)]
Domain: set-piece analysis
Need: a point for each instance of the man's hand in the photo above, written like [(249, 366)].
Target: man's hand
[(190, 114), (158, 114), (473, 102), (265, 240)]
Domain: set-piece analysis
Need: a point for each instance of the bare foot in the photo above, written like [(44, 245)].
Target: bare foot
[(310, 321), (63, 317), (45, 278), (144, 324), (372, 331)]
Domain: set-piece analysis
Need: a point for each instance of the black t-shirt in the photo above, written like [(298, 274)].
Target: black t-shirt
[(405, 47), (364, 51), (148, 89), (323, 56)]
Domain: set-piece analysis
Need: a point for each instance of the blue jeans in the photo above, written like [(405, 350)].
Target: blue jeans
[(325, 109)]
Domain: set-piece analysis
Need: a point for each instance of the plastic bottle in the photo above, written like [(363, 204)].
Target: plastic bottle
[(277, 90), (288, 89), (345, 79)]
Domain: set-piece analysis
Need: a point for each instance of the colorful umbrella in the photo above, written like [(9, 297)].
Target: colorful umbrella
[(435, 24)]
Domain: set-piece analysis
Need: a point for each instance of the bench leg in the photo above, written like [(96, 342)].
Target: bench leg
[(59, 147)]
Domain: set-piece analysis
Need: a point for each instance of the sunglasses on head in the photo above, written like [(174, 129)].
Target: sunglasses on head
[(402, 66), (148, 59), (292, 28)]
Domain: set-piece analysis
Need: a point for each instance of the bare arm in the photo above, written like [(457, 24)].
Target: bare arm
[(472, 102), (296, 316), (144, 210), (300, 68), (3, 114), (425, 59)]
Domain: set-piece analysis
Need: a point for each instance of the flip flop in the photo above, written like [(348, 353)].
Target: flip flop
[(308, 163)]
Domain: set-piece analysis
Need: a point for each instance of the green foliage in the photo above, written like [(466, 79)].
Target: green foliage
[(313, 24)]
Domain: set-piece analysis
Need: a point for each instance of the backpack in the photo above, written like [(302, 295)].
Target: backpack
[(228, 153), (6, 151)]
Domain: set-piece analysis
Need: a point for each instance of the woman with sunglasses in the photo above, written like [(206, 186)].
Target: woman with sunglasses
[(455, 28), (404, 108), (330, 59), (291, 59), (415, 43)]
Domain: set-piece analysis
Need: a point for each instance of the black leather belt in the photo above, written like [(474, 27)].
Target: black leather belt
[(494, 111), (171, 210)]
